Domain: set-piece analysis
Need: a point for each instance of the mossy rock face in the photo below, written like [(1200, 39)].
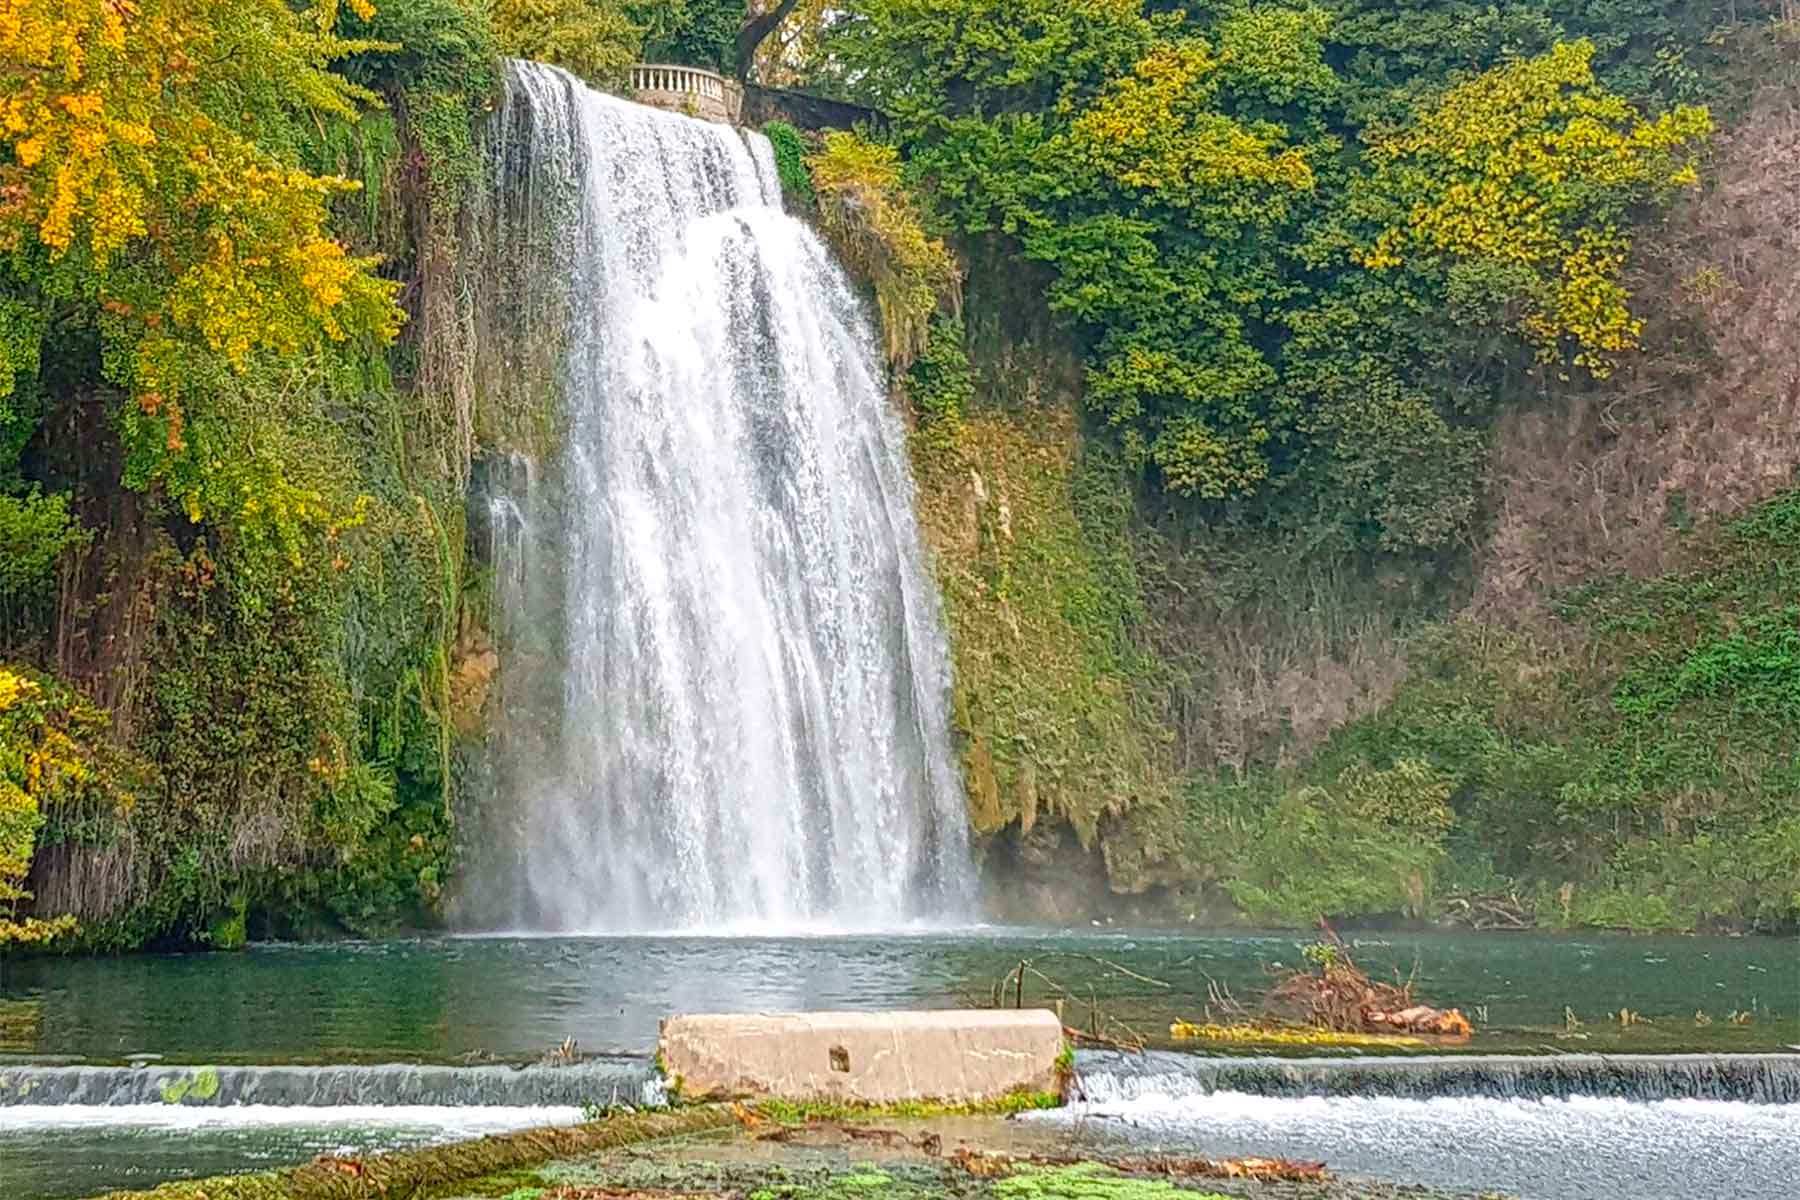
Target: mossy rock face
[(1029, 530)]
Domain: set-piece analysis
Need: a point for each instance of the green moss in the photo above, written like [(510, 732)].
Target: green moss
[(940, 384), (206, 1084), (799, 1112), (790, 164), (1028, 531), (1631, 768), (198, 1086), (1090, 1181)]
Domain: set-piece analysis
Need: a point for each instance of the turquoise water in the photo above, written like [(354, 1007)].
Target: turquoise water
[(509, 999), (512, 998)]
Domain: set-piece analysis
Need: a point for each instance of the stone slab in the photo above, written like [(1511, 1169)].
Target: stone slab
[(952, 1057)]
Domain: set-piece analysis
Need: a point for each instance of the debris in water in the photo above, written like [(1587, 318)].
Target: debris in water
[(1422, 1018), (1335, 1004)]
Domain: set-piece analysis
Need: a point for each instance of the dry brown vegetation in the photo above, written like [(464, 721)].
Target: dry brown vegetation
[(1705, 423)]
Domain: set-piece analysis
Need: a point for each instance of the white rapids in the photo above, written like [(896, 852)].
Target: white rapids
[(1555, 1148)]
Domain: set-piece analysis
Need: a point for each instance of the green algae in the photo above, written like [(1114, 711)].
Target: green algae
[(799, 1112), (1089, 1181), (201, 1086)]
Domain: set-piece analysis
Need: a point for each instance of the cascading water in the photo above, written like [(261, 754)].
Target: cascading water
[(718, 566)]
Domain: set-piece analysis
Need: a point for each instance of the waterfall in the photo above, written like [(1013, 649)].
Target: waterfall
[(723, 674)]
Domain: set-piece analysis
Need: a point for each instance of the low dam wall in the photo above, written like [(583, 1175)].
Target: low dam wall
[(1107, 1076), (933, 1057), (616, 1081), (957, 1057)]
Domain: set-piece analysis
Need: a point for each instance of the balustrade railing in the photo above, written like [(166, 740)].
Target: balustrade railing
[(702, 92)]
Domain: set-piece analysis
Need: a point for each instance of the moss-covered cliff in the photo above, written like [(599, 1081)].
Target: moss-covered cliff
[(1580, 714)]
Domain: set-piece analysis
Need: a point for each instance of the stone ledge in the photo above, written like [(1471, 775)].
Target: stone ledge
[(948, 1057)]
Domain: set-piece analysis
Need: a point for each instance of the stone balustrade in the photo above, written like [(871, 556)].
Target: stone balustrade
[(691, 90)]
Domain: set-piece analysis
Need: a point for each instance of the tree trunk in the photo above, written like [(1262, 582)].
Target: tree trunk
[(755, 31)]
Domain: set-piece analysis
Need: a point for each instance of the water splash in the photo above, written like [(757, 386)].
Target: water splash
[(723, 668)]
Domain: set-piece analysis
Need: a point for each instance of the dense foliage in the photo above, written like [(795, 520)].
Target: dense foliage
[(47, 757), (1298, 263), (872, 224), (1311, 255), (212, 519), (1258, 280)]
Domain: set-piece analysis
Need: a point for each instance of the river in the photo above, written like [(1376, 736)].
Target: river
[(479, 1003)]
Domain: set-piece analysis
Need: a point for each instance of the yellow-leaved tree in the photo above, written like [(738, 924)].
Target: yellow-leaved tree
[(43, 758), (1533, 168), (150, 194), (596, 39), (877, 231)]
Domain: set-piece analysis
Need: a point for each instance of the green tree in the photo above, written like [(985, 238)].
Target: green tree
[(151, 195), (1527, 175), (595, 39)]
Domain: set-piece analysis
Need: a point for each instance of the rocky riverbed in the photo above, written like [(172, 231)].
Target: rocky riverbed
[(967, 1158)]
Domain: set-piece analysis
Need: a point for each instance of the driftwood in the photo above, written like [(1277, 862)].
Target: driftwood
[(1490, 912), (1333, 1002), (1102, 1029), (1340, 996), (1422, 1018)]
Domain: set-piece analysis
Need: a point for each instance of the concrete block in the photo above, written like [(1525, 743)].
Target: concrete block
[(953, 1057)]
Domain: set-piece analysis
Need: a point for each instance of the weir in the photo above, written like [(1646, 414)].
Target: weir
[(723, 675), (1099, 1077), (1105, 1076), (624, 1081)]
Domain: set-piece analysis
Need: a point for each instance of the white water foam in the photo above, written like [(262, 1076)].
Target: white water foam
[(723, 674), (451, 1122), (1575, 1148), (57, 1152)]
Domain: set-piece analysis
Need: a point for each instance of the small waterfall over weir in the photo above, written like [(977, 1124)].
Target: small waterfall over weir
[(723, 674), (1100, 1078), (606, 1081), (1103, 1077)]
